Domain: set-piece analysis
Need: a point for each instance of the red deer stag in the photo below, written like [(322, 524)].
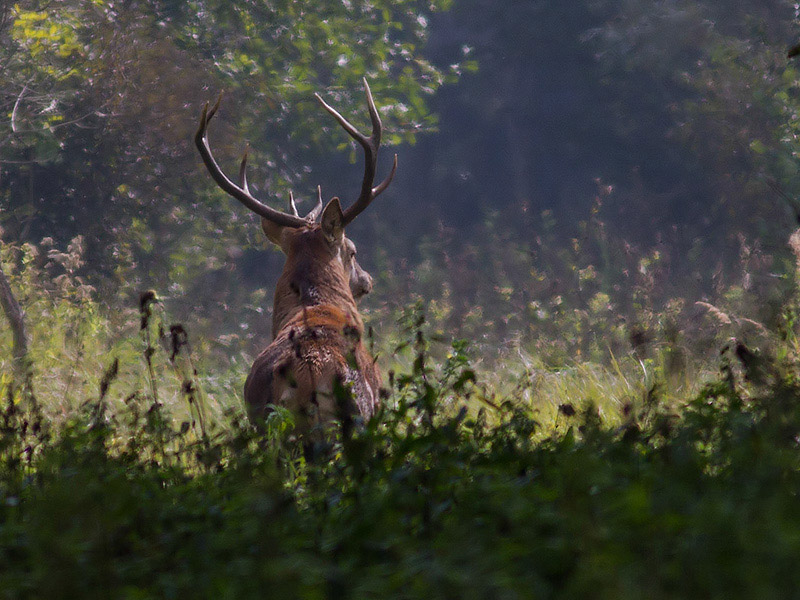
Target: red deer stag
[(316, 328)]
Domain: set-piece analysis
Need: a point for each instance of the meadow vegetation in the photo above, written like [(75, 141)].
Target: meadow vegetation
[(128, 470)]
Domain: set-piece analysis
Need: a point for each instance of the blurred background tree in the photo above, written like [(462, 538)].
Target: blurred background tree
[(609, 135)]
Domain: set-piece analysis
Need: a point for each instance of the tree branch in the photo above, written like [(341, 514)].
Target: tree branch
[(16, 108), (16, 319)]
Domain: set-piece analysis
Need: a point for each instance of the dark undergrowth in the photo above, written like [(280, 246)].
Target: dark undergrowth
[(429, 500)]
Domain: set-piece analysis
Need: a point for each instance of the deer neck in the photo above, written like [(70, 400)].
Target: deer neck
[(307, 281)]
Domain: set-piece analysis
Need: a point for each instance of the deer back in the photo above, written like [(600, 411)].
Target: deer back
[(317, 338), (318, 348)]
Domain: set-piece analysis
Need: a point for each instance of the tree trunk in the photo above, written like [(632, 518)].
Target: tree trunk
[(16, 318)]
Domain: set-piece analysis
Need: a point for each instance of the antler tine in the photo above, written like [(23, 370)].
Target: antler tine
[(214, 108), (370, 144), (374, 117), (315, 212), (346, 125), (243, 170), (292, 205), (242, 194), (385, 183)]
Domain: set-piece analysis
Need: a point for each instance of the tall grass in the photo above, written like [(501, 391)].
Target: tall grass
[(127, 469)]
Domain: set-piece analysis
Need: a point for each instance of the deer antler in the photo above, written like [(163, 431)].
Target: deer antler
[(314, 213), (241, 193), (370, 144)]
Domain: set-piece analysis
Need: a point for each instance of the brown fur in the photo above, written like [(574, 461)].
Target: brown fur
[(317, 336)]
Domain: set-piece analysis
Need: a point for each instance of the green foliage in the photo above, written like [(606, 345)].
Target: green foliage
[(475, 480), (76, 342), (429, 500), (102, 98)]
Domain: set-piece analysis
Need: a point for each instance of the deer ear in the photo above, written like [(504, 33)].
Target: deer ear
[(333, 221), (273, 232)]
